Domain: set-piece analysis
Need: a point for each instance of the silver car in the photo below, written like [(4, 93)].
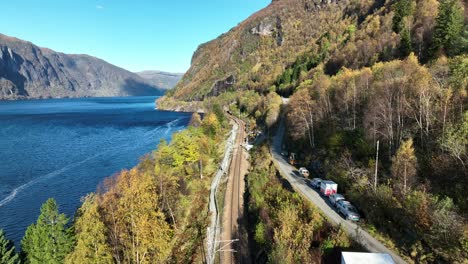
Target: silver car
[(335, 198), (304, 172), (347, 210)]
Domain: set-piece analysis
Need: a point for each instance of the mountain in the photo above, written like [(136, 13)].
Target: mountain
[(164, 80), (288, 37), (28, 71), (378, 96)]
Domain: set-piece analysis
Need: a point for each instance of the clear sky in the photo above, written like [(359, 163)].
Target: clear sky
[(133, 34)]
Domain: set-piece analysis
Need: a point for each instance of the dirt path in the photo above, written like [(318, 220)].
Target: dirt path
[(231, 250)]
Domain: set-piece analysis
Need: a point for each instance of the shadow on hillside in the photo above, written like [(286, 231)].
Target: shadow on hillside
[(134, 87)]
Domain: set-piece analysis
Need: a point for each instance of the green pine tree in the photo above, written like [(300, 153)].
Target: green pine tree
[(401, 9), (48, 240), (91, 246), (448, 29), (8, 254), (405, 43)]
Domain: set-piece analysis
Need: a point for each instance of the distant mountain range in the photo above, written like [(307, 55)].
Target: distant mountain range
[(164, 80), (29, 71)]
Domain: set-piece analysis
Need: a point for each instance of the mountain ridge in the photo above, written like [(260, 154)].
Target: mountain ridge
[(28, 71), (162, 79)]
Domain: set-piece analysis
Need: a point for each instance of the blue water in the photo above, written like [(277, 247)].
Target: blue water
[(63, 148)]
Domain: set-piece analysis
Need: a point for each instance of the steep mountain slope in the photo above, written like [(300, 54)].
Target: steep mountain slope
[(164, 80), (28, 71), (290, 37), (254, 53), (377, 102)]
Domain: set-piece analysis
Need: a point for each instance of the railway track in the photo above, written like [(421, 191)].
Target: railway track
[(231, 251)]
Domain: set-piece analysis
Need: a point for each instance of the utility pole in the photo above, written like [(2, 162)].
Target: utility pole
[(376, 166)]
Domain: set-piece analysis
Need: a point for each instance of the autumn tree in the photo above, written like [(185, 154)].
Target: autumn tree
[(8, 254), (274, 105), (137, 228), (455, 140), (90, 233), (301, 117), (404, 165), (49, 240), (211, 124), (423, 25), (402, 9), (292, 237), (195, 120)]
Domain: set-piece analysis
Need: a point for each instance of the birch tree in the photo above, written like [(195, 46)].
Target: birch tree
[(404, 165)]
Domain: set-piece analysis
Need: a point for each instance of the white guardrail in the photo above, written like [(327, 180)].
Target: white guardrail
[(214, 228)]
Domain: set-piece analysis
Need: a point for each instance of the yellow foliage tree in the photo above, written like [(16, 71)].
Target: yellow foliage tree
[(138, 230), (91, 245), (404, 165)]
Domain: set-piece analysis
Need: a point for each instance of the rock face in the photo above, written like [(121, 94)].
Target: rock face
[(262, 45), (164, 80), (28, 71)]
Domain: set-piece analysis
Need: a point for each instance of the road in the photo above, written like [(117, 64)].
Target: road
[(231, 248), (299, 184)]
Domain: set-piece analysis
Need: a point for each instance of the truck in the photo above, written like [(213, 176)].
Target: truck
[(328, 188)]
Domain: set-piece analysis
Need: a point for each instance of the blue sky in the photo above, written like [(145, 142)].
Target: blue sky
[(133, 34)]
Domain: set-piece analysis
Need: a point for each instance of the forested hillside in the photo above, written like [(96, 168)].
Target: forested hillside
[(364, 78), (156, 212), (417, 115), (377, 102), (278, 45), (283, 226)]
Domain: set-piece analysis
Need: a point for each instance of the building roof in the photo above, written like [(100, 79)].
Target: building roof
[(369, 258)]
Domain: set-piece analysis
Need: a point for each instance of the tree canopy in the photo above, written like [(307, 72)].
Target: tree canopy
[(50, 239)]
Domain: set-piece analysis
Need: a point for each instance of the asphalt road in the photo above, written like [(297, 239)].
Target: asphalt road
[(300, 185)]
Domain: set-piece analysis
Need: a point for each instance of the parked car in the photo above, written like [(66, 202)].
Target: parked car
[(292, 158), (316, 183), (309, 183), (328, 188), (335, 198), (348, 210), (304, 172)]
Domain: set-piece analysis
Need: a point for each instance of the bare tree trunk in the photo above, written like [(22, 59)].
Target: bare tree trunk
[(376, 166), (445, 113), (421, 120), (354, 106), (200, 167), (375, 132), (308, 127), (404, 180), (172, 214), (312, 129), (311, 124)]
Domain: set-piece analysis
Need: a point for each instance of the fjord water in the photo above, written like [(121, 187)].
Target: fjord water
[(63, 148)]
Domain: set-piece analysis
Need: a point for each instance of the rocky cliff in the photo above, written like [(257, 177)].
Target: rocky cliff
[(28, 71)]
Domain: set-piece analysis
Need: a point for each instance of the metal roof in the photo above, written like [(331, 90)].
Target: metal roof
[(369, 258), (329, 182)]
